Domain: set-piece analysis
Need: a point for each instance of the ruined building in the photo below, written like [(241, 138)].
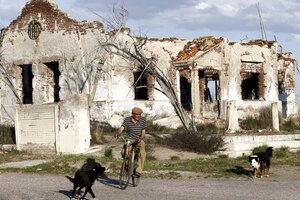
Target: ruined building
[(47, 56)]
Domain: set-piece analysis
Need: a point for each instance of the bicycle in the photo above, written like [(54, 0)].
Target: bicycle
[(130, 158)]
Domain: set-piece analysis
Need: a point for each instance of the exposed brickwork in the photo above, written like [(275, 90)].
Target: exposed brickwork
[(51, 17), (200, 44)]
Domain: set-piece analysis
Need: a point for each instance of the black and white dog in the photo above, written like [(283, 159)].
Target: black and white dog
[(261, 162)]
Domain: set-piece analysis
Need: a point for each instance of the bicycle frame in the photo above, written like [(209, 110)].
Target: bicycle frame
[(128, 165)]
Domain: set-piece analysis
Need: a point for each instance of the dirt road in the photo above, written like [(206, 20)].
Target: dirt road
[(39, 187)]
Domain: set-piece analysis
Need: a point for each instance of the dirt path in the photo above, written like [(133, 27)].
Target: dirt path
[(44, 187)]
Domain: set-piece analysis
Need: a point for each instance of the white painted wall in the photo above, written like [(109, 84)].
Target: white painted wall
[(243, 145), (74, 124)]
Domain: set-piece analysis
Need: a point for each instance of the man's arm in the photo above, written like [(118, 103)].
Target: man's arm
[(142, 137), (120, 131)]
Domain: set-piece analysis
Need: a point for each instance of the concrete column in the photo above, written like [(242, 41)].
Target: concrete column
[(178, 85), (195, 93), (275, 116), (232, 117)]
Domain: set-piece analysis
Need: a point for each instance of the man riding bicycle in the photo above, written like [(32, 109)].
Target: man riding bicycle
[(135, 128)]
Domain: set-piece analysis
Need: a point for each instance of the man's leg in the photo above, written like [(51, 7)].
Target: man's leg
[(142, 157)]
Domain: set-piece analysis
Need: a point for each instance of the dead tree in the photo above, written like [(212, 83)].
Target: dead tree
[(83, 76), (3, 72), (131, 48)]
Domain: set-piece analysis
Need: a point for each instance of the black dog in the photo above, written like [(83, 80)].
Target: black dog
[(262, 162), (86, 176)]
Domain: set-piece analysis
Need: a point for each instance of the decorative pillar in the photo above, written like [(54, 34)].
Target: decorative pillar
[(195, 92), (232, 117)]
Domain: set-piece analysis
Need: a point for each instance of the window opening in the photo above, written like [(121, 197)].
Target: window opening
[(185, 93), (250, 86), (141, 89), (27, 77), (54, 67), (209, 85)]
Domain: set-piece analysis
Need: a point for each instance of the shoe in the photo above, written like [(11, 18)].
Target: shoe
[(137, 174)]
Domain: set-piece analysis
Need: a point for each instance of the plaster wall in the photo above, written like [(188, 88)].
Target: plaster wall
[(243, 145), (74, 125)]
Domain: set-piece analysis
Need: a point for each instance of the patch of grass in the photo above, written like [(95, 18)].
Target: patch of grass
[(258, 149), (14, 155), (108, 153), (175, 158), (281, 152), (223, 156), (218, 167), (151, 158)]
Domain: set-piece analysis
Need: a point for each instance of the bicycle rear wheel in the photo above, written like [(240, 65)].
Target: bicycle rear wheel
[(135, 180)]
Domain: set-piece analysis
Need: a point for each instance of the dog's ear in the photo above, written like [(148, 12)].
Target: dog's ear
[(269, 149), (107, 169)]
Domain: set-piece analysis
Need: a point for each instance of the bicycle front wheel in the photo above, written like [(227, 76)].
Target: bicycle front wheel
[(125, 173)]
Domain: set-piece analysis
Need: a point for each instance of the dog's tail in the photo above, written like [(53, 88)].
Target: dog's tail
[(70, 179)]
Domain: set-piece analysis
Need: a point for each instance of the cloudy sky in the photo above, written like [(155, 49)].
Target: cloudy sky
[(233, 19)]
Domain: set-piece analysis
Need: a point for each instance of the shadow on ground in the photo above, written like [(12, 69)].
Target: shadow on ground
[(68, 193), (110, 182), (238, 170)]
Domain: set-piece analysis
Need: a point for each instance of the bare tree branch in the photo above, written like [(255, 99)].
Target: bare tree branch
[(132, 50), (7, 79)]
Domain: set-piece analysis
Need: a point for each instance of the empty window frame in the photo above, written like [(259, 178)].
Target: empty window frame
[(185, 93), (55, 73), (27, 77), (209, 85), (143, 86), (252, 83), (185, 89), (249, 86)]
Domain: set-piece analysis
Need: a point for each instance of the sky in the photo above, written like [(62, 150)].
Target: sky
[(236, 20)]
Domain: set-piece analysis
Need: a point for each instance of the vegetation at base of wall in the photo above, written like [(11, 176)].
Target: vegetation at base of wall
[(154, 129), (259, 149), (98, 130), (282, 152), (7, 134), (207, 140), (208, 167), (290, 125), (262, 121)]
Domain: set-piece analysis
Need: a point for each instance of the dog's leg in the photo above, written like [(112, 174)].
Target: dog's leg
[(267, 171), (85, 192), (74, 191), (91, 192), (79, 191), (254, 173), (261, 171), (268, 168)]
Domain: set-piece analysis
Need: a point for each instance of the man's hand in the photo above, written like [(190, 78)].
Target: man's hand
[(140, 139), (117, 136)]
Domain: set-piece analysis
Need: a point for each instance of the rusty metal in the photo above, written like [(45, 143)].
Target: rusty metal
[(34, 29)]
